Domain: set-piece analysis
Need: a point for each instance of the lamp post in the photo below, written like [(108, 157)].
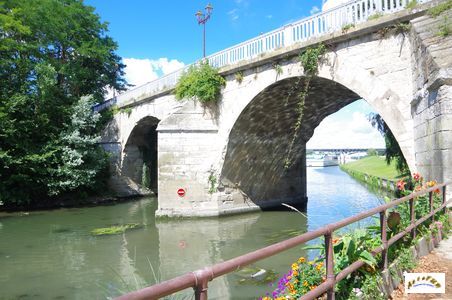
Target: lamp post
[(202, 19)]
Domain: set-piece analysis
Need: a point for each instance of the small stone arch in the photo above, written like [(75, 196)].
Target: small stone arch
[(139, 155)]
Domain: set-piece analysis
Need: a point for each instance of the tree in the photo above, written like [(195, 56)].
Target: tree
[(52, 52), (393, 151), (82, 160)]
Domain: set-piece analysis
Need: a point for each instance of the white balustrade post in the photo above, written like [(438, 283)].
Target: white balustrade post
[(288, 35)]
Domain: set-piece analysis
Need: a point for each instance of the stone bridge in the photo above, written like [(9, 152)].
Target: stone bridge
[(230, 158)]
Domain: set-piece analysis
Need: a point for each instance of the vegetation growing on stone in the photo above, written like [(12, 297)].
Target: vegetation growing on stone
[(112, 230), (412, 4), (445, 28), (440, 8), (201, 82), (46, 69), (375, 16), (347, 27), (310, 59), (239, 77)]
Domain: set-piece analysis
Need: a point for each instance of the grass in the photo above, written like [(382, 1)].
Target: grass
[(374, 165)]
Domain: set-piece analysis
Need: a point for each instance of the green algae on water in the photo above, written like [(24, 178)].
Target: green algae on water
[(115, 229)]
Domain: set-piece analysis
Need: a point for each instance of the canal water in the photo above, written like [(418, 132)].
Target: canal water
[(52, 254)]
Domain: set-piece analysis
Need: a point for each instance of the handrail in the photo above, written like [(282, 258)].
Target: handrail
[(199, 279), (328, 21)]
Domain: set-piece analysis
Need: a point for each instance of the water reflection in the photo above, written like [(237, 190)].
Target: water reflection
[(52, 254)]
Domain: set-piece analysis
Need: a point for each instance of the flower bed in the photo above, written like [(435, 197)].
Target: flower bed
[(367, 283)]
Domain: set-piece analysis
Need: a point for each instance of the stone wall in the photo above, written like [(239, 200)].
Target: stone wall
[(432, 101)]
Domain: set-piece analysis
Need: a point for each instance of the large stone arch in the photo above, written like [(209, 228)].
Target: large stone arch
[(259, 136), (259, 162)]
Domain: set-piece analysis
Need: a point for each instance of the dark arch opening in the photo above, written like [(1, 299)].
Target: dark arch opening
[(140, 154), (261, 136)]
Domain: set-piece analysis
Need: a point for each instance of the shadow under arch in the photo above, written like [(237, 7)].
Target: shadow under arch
[(140, 154), (260, 139)]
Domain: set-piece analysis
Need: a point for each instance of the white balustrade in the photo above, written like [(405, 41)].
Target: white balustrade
[(353, 12)]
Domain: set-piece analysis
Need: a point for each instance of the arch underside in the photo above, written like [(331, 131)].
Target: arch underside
[(259, 146), (140, 152)]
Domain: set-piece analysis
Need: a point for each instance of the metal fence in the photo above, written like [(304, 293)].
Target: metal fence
[(199, 279), (353, 12)]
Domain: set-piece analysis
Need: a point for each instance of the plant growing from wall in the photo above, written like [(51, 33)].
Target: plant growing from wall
[(375, 16), (412, 4), (239, 77), (310, 60), (445, 28), (212, 182), (440, 8), (278, 69), (347, 27), (201, 82)]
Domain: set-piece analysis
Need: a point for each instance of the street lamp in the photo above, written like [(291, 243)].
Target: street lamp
[(202, 19)]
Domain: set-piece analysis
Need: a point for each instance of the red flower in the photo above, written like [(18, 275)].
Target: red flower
[(401, 185), (416, 176)]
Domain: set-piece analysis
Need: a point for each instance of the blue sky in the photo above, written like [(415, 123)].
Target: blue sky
[(157, 37)]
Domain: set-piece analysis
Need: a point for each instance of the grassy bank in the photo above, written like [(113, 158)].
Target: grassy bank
[(373, 165)]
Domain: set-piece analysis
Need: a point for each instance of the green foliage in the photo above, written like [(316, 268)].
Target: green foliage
[(366, 282), (375, 16), (347, 27), (445, 28), (116, 229), (440, 8), (201, 82), (146, 176), (212, 183), (239, 77), (412, 4), (278, 69), (52, 54), (127, 111), (393, 151), (310, 59), (402, 27), (82, 159)]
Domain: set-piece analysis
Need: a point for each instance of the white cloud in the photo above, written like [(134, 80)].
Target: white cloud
[(356, 132), (233, 14), (314, 10), (269, 16), (139, 71)]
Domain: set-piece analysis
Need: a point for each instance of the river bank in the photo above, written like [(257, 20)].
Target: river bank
[(68, 202), (374, 172)]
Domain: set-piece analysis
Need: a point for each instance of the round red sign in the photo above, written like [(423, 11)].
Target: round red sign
[(181, 192)]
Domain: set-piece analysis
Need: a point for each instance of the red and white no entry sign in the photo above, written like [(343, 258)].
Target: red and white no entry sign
[(181, 192)]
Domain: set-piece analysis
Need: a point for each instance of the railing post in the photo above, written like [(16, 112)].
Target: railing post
[(412, 218), (384, 239), (201, 290), (430, 200), (201, 284), (329, 256), (444, 199)]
